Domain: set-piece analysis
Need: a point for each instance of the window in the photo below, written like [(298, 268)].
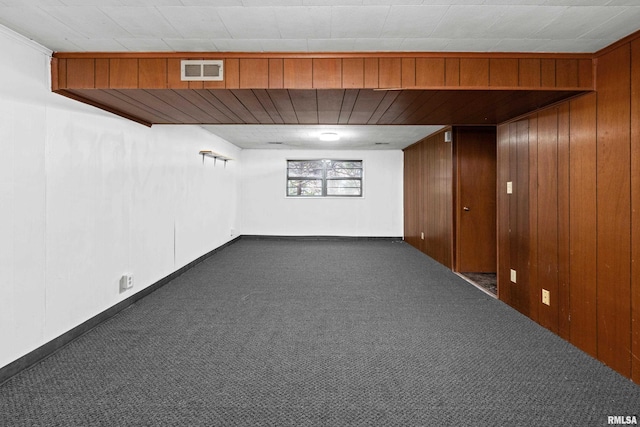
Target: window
[(324, 178)]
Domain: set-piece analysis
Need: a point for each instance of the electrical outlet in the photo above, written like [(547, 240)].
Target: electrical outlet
[(546, 297), (422, 235), (509, 187), (126, 282), (513, 276)]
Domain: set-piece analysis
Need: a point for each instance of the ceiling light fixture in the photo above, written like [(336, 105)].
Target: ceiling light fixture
[(329, 136)]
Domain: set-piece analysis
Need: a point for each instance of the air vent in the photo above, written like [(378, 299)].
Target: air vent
[(201, 70)]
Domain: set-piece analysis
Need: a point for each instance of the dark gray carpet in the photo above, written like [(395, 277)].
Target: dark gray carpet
[(335, 333)]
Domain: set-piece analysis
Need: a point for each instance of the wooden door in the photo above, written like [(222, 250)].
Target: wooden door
[(475, 202)]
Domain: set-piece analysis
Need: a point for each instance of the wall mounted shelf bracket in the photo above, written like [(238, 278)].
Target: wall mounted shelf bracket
[(215, 156)]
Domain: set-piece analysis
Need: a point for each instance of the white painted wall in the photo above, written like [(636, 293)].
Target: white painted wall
[(86, 196), (264, 209)]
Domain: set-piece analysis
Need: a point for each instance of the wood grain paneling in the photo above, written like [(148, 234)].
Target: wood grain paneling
[(582, 223), (60, 73), (512, 220), (529, 72), (437, 176), (152, 73), (635, 203), (298, 73), (503, 72), (173, 75), (329, 105), (305, 105), (566, 72), (429, 72), (231, 75), (548, 215), (613, 198), (548, 72), (428, 197), (452, 72), (276, 73), (502, 226), (327, 73), (534, 286), (353, 73), (408, 72), (585, 73), (123, 73), (412, 195), (563, 222), (81, 73), (390, 72), (102, 73), (371, 73), (474, 72), (254, 73), (519, 220)]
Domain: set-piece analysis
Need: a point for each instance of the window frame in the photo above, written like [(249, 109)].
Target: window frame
[(324, 179)]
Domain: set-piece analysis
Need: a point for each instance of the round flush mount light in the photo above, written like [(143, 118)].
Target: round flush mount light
[(329, 136)]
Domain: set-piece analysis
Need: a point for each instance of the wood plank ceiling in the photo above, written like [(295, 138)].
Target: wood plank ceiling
[(320, 106)]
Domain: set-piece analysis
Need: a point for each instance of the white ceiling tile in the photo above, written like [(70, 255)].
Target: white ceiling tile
[(574, 21), (357, 22), (238, 45), (331, 45), (144, 22), (195, 22), (621, 25), (67, 45), (573, 45), (391, 2), (270, 3), (424, 45), (218, 3), (192, 45), (519, 45), (97, 45), (473, 45), (324, 25), (574, 2), (332, 2), (378, 45), (131, 3), (453, 2), (35, 23), (353, 136), (515, 2), (412, 21), (144, 44), (249, 23), (304, 22), (31, 3), (515, 21), (467, 22), (284, 45), (623, 3), (89, 21)]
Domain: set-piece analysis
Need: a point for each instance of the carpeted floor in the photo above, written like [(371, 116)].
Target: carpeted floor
[(305, 333)]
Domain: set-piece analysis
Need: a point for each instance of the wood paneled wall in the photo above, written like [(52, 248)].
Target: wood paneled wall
[(429, 197), (572, 224), (326, 71)]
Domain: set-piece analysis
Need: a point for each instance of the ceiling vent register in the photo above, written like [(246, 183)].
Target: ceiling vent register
[(201, 70)]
